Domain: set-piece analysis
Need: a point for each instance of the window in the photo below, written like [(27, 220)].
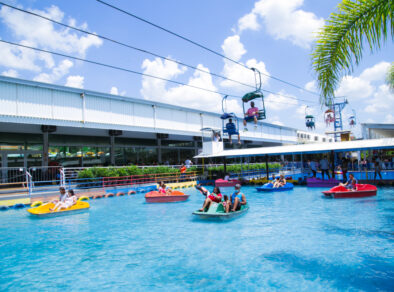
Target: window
[(324, 139), (316, 138)]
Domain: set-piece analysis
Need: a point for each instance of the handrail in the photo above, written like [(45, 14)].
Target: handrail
[(29, 183)]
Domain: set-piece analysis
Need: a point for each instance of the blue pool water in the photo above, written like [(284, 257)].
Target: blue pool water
[(295, 240)]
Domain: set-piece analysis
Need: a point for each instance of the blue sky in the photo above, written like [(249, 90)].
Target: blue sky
[(275, 36)]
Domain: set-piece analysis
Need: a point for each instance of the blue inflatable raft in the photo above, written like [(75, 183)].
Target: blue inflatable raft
[(269, 187)]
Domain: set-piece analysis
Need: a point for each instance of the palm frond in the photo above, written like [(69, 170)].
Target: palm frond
[(339, 44)]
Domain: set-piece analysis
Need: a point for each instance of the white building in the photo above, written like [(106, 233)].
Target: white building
[(45, 124)]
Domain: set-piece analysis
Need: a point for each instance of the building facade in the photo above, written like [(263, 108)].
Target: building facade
[(44, 124)]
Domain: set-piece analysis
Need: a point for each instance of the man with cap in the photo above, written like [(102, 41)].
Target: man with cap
[(237, 199)]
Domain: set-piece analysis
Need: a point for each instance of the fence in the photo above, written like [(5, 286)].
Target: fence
[(12, 175)]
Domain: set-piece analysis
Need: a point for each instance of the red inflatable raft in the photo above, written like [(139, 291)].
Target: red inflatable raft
[(226, 183), (360, 192), (156, 197)]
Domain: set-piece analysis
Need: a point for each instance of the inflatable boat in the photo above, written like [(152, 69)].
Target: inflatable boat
[(269, 187), (216, 211), (156, 197), (362, 190), (226, 183)]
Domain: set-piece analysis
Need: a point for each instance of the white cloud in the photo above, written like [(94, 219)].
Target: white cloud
[(389, 119), (300, 111), (279, 103), (114, 90), (354, 88), (75, 81), (154, 88), (18, 58), (181, 95), (363, 86), (311, 86), (383, 99), (43, 33), (248, 21), (10, 73), (33, 31), (284, 20), (233, 48), (376, 73), (241, 74), (57, 72)]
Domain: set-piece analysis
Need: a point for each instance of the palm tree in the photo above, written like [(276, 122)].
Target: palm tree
[(340, 41), (390, 77)]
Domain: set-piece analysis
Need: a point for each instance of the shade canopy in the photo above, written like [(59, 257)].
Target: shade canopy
[(358, 145)]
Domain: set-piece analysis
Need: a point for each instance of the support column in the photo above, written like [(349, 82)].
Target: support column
[(112, 149), (267, 170), (45, 149), (224, 166), (159, 158), (179, 156), (46, 129), (112, 135)]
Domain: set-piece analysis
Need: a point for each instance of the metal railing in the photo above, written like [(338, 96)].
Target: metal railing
[(12, 175)]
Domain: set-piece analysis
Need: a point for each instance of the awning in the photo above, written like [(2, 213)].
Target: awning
[(358, 145)]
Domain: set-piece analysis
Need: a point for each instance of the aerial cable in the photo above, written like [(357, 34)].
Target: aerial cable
[(119, 68), (125, 45), (202, 46), (145, 51)]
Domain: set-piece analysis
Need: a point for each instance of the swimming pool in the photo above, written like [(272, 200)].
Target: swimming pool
[(293, 240)]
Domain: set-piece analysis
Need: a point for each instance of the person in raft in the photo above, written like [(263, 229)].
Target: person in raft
[(215, 196), (280, 182), (350, 184), (237, 199), (68, 202), (274, 179), (163, 189), (226, 202), (62, 197), (251, 114)]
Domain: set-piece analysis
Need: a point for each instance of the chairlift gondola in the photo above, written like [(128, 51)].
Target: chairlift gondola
[(230, 123), (329, 117), (309, 120), (254, 95), (352, 119)]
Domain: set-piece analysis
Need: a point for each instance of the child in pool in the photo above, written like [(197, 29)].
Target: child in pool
[(226, 202)]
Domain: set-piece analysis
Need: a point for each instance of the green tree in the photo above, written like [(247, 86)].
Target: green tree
[(390, 77), (340, 42)]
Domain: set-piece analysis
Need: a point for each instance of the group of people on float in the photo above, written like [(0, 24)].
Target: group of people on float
[(66, 200), (279, 181), (230, 204)]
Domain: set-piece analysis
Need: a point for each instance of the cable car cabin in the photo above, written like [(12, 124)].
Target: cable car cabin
[(329, 116), (352, 121), (260, 113), (310, 121)]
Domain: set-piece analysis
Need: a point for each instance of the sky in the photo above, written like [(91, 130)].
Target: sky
[(274, 36)]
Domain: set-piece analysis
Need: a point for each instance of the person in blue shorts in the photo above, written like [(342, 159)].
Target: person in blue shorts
[(237, 199), (351, 183), (232, 130)]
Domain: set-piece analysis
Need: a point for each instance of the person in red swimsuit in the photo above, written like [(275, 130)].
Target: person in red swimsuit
[(215, 196)]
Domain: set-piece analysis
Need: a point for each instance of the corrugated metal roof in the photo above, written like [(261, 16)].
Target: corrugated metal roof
[(13, 80), (306, 148)]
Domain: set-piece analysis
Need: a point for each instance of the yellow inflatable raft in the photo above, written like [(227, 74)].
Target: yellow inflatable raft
[(43, 210)]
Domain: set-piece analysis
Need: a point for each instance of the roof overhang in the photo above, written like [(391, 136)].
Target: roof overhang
[(359, 145)]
